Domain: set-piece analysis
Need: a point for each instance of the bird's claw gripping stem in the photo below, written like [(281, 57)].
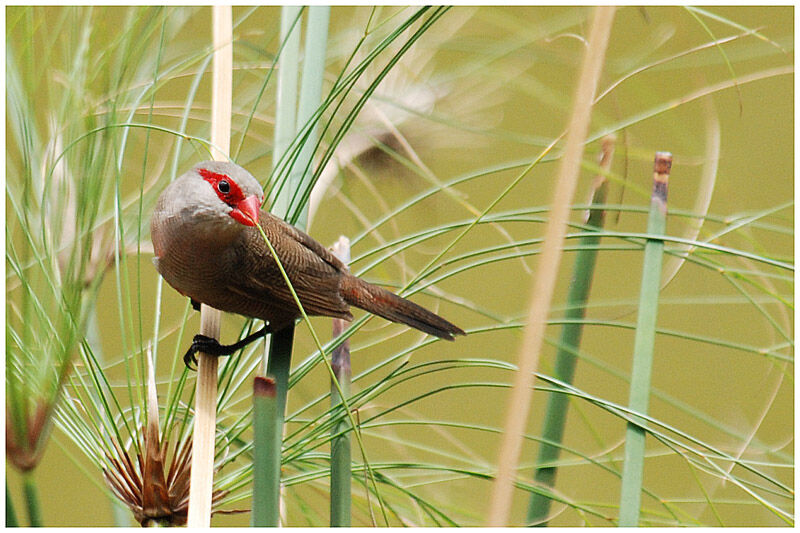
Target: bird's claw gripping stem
[(211, 346)]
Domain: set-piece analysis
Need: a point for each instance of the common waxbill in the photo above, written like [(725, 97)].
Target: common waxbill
[(208, 248)]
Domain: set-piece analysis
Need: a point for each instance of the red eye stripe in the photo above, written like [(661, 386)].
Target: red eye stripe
[(234, 194)]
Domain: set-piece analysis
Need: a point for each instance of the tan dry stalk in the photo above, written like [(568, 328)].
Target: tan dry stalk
[(202, 477), (545, 280)]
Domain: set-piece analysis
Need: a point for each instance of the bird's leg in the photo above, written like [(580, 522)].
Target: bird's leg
[(207, 345), (195, 304)]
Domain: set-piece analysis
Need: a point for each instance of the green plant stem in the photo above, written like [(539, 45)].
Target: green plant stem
[(286, 110), (11, 514), (330, 370), (280, 360), (268, 417), (267, 454), (32, 500), (281, 342), (632, 471), (341, 461), (346, 84), (557, 402), (310, 99), (340, 440)]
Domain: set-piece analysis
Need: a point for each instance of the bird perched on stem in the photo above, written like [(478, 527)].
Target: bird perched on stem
[(208, 248)]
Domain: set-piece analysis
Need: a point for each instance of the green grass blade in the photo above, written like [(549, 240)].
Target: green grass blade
[(346, 84)]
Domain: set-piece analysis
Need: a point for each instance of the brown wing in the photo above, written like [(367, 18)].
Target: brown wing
[(314, 271)]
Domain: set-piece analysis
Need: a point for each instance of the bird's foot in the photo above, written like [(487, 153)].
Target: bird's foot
[(202, 343), (211, 346)]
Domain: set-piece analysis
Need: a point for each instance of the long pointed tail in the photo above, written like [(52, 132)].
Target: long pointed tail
[(385, 304)]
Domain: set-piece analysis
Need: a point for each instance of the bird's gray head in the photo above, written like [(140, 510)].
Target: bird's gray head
[(218, 190), (245, 181)]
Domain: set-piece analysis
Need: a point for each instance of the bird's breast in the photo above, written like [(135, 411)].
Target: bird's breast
[(191, 256)]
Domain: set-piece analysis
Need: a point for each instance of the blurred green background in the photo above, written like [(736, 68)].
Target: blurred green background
[(485, 87)]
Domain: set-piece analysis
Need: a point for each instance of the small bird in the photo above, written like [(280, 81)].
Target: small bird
[(208, 248)]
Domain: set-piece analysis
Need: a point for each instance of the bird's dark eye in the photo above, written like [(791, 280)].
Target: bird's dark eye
[(224, 187)]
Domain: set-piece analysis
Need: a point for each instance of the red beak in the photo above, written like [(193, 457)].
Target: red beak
[(246, 211)]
